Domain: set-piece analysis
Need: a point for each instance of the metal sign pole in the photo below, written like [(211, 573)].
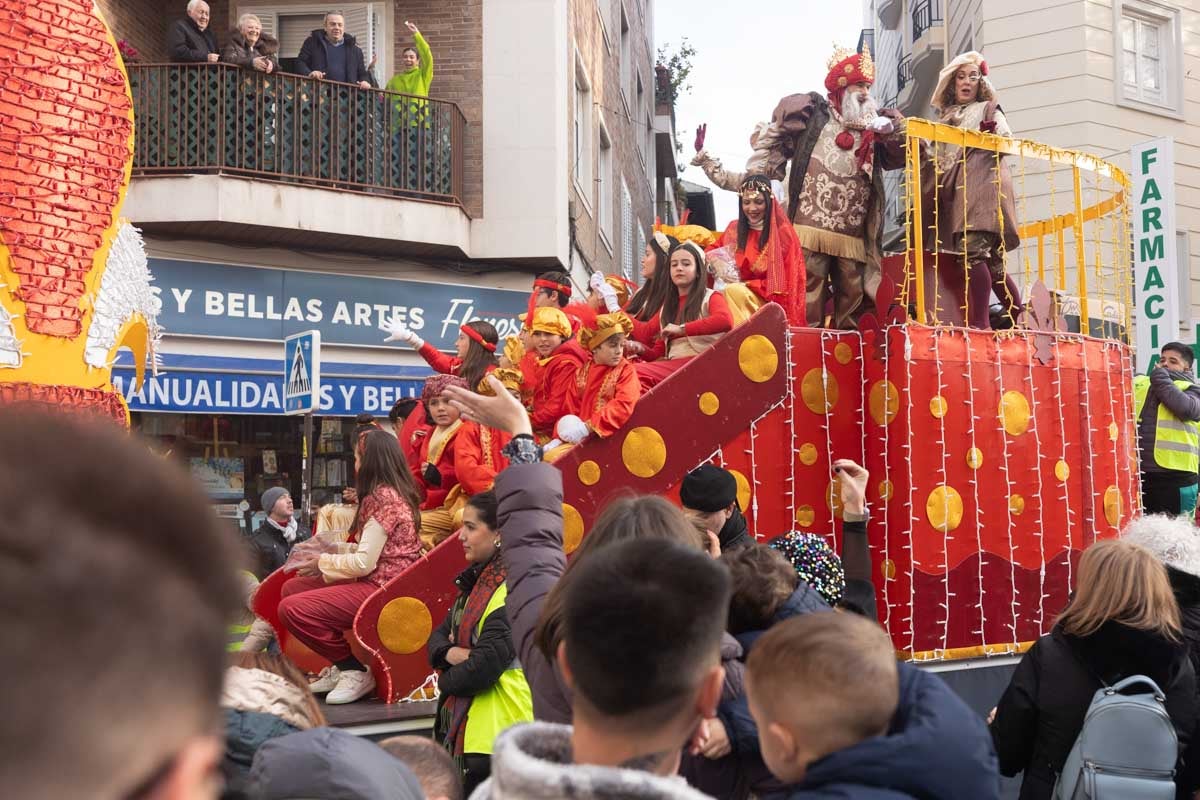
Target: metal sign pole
[(306, 467)]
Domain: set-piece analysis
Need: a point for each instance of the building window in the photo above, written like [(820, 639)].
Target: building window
[(582, 154), (627, 223), (604, 187), (639, 101), (291, 24), (648, 148), (1148, 53), (626, 56)]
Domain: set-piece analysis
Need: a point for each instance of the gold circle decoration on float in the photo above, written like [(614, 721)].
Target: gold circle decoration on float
[(404, 625)]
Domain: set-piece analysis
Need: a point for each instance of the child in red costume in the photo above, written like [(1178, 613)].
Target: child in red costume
[(560, 357), (436, 476), (477, 455), (475, 349), (692, 318), (607, 388)]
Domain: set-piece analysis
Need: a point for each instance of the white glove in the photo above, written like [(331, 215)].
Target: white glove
[(881, 125), (550, 445), (571, 429), (399, 332), (607, 292)]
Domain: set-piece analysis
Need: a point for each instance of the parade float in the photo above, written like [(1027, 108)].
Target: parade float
[(74, 285), (995, 457)]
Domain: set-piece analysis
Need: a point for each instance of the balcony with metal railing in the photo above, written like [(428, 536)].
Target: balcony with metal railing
[(926, 14), (904, 72), (370, 154)]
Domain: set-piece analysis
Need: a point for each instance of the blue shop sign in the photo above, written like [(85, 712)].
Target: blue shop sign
[(214, 385), (202, 299)]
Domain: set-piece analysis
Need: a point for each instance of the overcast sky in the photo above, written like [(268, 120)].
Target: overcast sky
[(748, 55)]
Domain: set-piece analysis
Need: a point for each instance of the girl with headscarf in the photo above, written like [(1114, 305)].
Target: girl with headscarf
[(767, 254)]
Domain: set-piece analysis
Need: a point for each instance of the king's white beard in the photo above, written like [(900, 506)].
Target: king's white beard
[(856, 113)]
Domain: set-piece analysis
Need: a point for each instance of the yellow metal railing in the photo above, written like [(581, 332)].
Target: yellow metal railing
[(1109, 260)]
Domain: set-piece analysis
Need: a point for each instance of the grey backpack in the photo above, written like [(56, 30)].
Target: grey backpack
[(1126, 749)]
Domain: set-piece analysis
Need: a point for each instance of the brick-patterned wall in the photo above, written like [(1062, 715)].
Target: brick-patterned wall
[(602, 61), (144, 23)]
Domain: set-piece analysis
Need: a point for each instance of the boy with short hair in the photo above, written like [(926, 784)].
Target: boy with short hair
[(642, 627), (606, 388), (434, 767), (839, 717)]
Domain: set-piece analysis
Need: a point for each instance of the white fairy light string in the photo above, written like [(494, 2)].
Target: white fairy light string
[(974, 466)]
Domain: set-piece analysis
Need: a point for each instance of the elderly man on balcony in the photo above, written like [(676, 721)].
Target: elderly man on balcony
[(189, 40), (331, 54)]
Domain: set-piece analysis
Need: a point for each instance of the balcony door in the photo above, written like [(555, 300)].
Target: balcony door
[(292, 24)]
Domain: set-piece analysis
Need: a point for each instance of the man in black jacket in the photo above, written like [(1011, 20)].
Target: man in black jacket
[(189, 40), (330, 54)]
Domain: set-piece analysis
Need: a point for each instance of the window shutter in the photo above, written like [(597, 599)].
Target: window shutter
[(293, 30), (626, 232), (637, 254)]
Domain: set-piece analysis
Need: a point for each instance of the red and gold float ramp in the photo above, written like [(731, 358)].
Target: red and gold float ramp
[(995, 459)]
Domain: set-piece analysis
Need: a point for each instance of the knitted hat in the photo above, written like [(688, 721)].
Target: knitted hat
[(436, 384), (271, 496), (815, 563), (707, 489), (1173, 541), (607, 326), (551, 320)]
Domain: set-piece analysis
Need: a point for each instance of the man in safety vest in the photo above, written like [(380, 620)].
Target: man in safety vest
[(1167, 406)]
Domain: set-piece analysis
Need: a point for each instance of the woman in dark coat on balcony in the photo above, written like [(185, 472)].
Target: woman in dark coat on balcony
[(249, 48)]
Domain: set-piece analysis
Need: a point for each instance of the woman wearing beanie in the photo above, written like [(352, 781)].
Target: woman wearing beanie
[(278, 533), (709, 494)]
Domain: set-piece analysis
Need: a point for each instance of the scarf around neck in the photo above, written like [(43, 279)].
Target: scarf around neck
[(288, 531)]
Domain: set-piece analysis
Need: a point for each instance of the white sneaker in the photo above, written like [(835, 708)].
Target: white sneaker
[(326, 681), (353, 685)]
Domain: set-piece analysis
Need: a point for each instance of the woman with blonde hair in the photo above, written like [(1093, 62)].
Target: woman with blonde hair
[(264, 697), (1122, 620)]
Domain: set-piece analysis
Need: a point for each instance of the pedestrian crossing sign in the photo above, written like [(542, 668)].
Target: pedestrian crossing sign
[(301, 372)]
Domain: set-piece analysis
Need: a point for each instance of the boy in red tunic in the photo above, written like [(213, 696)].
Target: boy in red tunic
[(607, 388), (559, 358), (477, 455)]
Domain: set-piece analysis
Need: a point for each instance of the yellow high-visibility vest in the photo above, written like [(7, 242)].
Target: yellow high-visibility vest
[(1176, 442), (506, 703)]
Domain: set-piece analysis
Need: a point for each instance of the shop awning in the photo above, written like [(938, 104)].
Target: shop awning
[(219, 385)]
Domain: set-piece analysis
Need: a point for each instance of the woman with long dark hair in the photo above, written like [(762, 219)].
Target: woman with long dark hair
[(647, 301), (320, 603), (767, 254), (474, 349), (483, 688), (691, 320)]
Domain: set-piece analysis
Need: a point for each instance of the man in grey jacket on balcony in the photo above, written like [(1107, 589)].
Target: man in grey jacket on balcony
[(330, 54)]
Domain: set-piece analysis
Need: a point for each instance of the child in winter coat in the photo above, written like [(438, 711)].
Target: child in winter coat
[(839, 717)]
